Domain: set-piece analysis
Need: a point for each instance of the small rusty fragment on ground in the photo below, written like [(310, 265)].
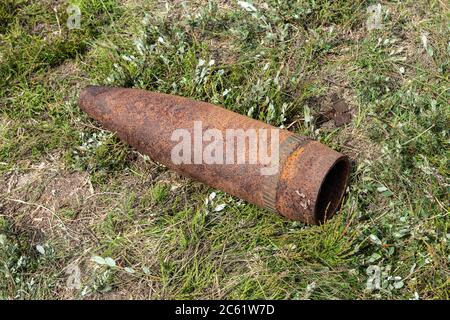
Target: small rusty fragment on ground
[(341, 114), (333, 111)]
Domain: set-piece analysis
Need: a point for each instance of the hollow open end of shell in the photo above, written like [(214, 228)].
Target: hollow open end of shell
[(332, 189)]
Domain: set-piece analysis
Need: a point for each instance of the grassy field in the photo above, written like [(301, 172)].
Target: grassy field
[(78, 204)]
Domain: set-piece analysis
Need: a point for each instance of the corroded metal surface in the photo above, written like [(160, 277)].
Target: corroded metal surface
[(308, 186)]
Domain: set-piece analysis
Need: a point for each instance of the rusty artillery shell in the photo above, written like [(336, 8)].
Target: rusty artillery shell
[(308, 184)]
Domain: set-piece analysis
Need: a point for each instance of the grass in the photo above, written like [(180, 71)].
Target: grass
[(70, 191)]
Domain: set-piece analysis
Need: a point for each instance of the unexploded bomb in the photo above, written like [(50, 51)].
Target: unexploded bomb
[(273, 168)]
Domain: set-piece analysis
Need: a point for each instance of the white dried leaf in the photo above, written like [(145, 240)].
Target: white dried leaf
[(375, 239), (220, 207), (201, 62), (98, 260), (2, 239), (424, 40), (40, 249), (129, 270), (247, 6), (110, 262)]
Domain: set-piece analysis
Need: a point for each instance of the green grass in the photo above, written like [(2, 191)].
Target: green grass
[(76, 191)]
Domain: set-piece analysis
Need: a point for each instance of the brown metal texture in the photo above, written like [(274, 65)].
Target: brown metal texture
[(308, 186)]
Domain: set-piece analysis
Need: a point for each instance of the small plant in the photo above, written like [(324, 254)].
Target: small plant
[(159, 192)]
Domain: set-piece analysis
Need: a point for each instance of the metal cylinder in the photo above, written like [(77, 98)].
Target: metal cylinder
[(306, 182)]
